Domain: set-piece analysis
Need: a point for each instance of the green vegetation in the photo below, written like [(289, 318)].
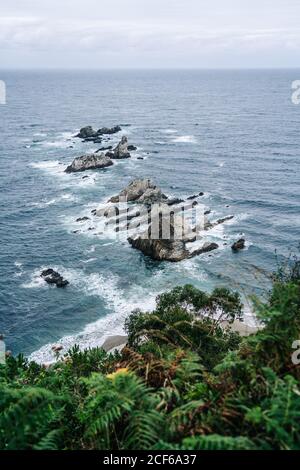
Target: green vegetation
[(184, 381)]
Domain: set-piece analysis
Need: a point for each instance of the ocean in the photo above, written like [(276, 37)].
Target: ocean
[(232, 134)]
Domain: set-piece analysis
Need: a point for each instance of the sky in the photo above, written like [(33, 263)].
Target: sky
[(103, 34)]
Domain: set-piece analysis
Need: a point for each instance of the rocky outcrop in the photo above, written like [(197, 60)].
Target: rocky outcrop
[(86, 132), (53, 277), (205, 248), (82, 219), (174, 248), (89, 162), (121, 150), (238, 245), (161, 250), (142, 191)]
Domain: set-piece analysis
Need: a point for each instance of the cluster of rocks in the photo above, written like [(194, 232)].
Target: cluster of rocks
[(88, 134), (101, 160), (53, 277), (140, 194)]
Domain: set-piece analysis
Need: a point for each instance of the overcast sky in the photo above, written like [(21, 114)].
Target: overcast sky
[(149, 33)]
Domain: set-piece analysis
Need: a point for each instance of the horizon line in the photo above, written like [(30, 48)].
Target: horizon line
[(109, 69)]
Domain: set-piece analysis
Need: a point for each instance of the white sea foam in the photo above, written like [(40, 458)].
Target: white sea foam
[(36, 281), (106, 287), (169, 131), (187, 139), (49, 202)]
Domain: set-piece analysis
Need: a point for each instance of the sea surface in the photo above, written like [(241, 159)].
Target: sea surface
[(235, 135)]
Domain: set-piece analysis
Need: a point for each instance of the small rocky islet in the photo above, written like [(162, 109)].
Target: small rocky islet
[(140, 194), (53, 277)]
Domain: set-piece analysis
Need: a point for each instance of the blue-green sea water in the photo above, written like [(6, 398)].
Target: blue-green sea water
[(232, 134)]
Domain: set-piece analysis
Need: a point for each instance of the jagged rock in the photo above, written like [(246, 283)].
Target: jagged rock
[(121, 150), (161, 250), (109, 130), (239, 245), (136, 189), (53, 277), (86, 132), (208, 225), (171, 249), (152, 196), (89, 162), (82, 219), (132, 148), (205, 248)]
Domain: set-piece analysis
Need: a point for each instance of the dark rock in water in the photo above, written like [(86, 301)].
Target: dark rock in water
[(140, 158), (205, 248), (194, 196), (89, 162), (81, 219), (91, 228), (239, 245), (94, 211), (109, 130), (102, 149), (84, 177), (53, 277), (132, 148), (174, 200), (86, 132), (121, 150), (207, 212)]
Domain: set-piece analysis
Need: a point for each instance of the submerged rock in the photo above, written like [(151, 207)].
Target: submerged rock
[(82, 219), (53, 277), (89, 162), (238, 245)]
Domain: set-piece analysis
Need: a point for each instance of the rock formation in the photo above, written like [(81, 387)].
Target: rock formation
[(142, 191), (239, 245), (89, 162), (53, 277), (121, 150)]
